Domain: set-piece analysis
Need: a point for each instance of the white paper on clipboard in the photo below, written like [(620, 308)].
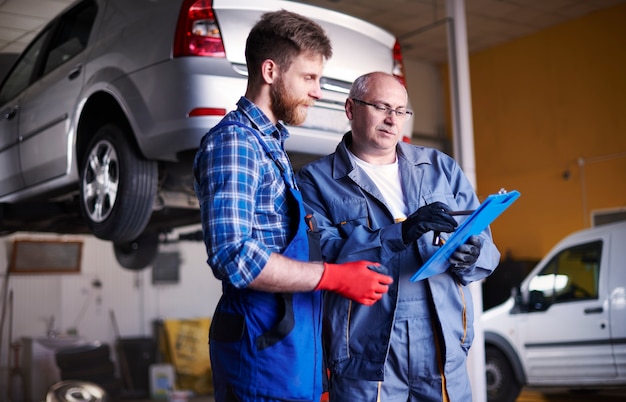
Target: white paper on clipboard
[(478, 221)]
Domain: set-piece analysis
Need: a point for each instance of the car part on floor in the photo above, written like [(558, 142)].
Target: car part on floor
[(76, 391)]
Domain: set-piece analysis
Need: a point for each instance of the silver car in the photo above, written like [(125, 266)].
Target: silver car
[(103, 112)]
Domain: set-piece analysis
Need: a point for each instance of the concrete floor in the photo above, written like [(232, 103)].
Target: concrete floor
[(548, 395), (201, 398)]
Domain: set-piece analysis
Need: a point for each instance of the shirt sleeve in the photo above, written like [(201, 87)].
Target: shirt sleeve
[(226, 178)]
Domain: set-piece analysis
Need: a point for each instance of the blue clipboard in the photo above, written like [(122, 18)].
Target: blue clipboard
[(478, 221)]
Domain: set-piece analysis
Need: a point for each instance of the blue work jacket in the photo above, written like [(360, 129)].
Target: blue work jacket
[(355, 224)]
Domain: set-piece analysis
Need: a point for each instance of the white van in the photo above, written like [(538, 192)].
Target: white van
[(565, 325)]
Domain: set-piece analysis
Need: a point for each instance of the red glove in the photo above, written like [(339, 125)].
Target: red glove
[(356, 281)]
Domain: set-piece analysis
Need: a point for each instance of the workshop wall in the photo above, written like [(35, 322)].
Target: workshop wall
[(83, 301), (549, 121), (424, 87)]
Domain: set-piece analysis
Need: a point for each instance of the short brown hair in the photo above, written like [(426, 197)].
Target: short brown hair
[(281, 36)]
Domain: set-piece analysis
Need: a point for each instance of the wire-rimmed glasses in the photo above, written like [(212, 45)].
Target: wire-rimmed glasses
[(400, 112)]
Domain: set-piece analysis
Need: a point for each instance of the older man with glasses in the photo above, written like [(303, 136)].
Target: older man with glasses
[(379, 199)]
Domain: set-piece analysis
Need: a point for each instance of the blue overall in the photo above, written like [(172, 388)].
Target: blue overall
[(267, 346)]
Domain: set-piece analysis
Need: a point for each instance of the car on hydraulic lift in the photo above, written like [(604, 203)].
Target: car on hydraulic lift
[(105, 108)]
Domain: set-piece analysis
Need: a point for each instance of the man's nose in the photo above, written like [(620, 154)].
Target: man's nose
[(316, 93), (391, 116)]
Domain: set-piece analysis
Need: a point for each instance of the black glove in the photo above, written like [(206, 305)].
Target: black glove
[(466, 254), (429, 217)]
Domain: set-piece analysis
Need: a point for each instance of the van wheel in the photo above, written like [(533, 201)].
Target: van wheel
[(501, 383), (139, 253), (117, 186)]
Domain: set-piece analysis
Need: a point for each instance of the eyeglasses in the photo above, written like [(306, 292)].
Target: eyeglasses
[(402, 113)]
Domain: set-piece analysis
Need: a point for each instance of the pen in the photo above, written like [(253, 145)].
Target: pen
[(311, 223), (461, 212), (437, 239)]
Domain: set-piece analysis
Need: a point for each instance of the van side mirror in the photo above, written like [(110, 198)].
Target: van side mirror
[(537, 301), (516, 294), (518, 301)]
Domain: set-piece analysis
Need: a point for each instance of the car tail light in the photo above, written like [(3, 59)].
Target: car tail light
[(207, 111), (197, 32), (398, 64)]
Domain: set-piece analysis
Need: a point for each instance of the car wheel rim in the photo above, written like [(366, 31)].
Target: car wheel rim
[(494, 379), (101, 181)]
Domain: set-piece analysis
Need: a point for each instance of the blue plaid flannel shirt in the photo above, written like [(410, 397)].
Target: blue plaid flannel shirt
[(242, 195)]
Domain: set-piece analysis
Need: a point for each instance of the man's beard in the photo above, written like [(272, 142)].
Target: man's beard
[(286, 107)]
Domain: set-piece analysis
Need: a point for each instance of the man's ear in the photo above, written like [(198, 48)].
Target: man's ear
[(269, 69), (348, 107)]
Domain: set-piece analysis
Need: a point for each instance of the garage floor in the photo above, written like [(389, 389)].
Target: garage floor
[(204, 398), (526, 396), (557, 395)]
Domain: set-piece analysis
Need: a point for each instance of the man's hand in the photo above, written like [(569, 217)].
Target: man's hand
[(466, 254), (356, 281), (429, 217)]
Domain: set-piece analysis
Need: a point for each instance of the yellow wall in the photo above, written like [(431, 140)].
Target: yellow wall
[(539, 104)]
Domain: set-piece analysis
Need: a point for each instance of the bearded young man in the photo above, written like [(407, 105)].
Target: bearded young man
[(265, 339)]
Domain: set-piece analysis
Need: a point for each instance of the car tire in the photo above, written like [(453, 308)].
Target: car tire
[(501, 383), (89, 355), (93, 373), (117, 186), (139, 253)]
